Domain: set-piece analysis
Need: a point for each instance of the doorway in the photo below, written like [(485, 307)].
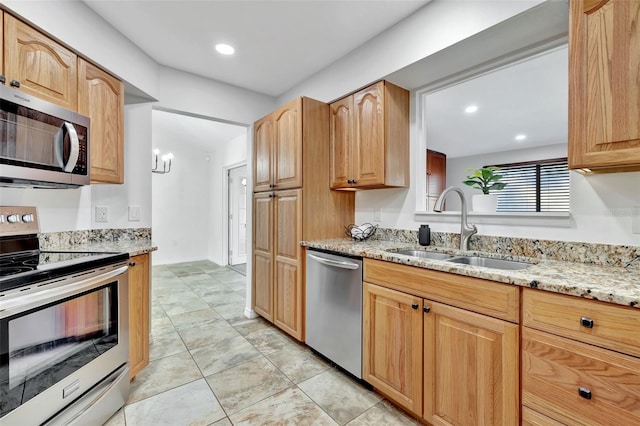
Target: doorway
[(237, 214)]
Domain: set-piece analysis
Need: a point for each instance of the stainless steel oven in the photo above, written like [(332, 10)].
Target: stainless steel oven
[(64, 332), (41, 144)]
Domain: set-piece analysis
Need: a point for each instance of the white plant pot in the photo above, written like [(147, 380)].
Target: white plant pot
[(484, 203)]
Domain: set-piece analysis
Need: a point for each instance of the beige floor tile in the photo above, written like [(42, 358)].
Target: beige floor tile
[(157, 311), (247, 383), (195, 318), (180, 304), (383, 413), (270, 340), (165, 345), (190, 404), (161, 325), (223, 422), (340, 396), (207, 334), (232, 312), (298, 363), (164, 374), (251, 325), (226, 297), (223, 355), (291, 407)]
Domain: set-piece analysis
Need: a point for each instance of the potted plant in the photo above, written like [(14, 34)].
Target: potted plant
[(485, 179)]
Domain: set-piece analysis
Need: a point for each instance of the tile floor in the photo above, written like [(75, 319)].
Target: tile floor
[(210, 365)]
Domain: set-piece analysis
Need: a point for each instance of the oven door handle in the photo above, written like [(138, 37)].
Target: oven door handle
[(64, 130), (26, 301)]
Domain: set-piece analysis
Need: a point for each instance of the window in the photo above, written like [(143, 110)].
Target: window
[(536, 186)]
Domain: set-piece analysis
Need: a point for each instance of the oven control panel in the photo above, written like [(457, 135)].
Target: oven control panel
[(18, 220)]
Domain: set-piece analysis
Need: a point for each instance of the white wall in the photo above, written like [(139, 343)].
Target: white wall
[(180, 199), (233, 153), (136, 190)]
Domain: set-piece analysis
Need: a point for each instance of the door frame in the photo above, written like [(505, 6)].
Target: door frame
[(225, 208)]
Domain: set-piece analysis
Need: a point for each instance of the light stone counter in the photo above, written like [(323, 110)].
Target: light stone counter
[(133, 247), (606, 283)]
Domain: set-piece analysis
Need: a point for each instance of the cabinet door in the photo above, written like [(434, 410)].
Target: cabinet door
[(392, 345), (341, 131), (43, 67), (288, 301), (101, 98), (263, 144), (263, 255), (604, 84), (368, 147), (139, 300), (287, 165), (470, 368)]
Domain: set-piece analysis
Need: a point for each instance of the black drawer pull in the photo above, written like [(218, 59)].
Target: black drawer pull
[(586, 322), (14, 83), (414, 305), (584, 392), (132, 263), (426, 309)]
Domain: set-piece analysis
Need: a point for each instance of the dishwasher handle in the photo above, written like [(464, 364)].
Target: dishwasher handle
[(334, 263)]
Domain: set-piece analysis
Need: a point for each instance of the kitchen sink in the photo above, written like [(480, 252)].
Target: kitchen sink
[(424, 254), (487, 262)]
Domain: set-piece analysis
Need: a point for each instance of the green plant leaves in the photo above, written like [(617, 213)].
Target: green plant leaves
[(485, 179)]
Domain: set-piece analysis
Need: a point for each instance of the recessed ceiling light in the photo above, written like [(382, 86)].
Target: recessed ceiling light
[(521, 137), (471, 109), (225, 49)]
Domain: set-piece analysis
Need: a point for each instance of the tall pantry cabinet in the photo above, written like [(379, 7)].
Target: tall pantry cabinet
[(292, 202)]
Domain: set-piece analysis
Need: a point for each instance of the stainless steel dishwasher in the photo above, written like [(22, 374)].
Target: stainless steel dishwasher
[(334, 308)]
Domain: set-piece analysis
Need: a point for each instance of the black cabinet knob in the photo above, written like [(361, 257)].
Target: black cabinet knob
[(132, 263), (2, 79), (15, 83), (272, 185), (584, 392), (414, 305), (426, 309), (586, 322), (349, 181)]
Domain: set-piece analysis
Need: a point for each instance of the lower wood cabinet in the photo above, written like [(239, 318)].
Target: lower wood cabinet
[(444, 364), (139, 300)]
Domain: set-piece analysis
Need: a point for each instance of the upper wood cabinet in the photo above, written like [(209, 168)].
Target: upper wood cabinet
[(39, 65), (101, 98), (604, 85), (278, 149), (370, 138)]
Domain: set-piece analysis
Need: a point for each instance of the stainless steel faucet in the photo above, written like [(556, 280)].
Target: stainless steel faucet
[(466, 230)]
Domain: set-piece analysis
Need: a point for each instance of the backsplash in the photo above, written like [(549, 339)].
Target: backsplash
[(597, 254), (67, 239)]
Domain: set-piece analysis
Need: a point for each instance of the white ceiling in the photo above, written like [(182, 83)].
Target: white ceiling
[(528, 97), (278, 43)]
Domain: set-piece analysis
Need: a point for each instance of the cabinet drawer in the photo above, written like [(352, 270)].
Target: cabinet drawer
[(611, 326), (482, 296), (578, 383)]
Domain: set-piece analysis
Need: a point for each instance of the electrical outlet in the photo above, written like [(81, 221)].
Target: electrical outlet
[(102, 214), (376, 214), (134, 213)]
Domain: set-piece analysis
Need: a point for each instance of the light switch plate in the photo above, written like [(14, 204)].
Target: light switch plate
[(102, 214), (134, 213), (635, 220)]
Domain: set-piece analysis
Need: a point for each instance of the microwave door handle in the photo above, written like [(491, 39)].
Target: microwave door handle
[(64, 130)]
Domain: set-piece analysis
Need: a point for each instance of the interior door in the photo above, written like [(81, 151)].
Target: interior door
[(238, 215)]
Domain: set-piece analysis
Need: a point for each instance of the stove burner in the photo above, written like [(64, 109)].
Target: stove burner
[(12, 270)]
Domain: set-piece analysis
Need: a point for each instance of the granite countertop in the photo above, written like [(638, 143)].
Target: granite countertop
[(133, 247), (606, 283)]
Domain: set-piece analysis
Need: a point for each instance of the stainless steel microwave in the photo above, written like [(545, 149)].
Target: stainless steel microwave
[(41, 144)]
